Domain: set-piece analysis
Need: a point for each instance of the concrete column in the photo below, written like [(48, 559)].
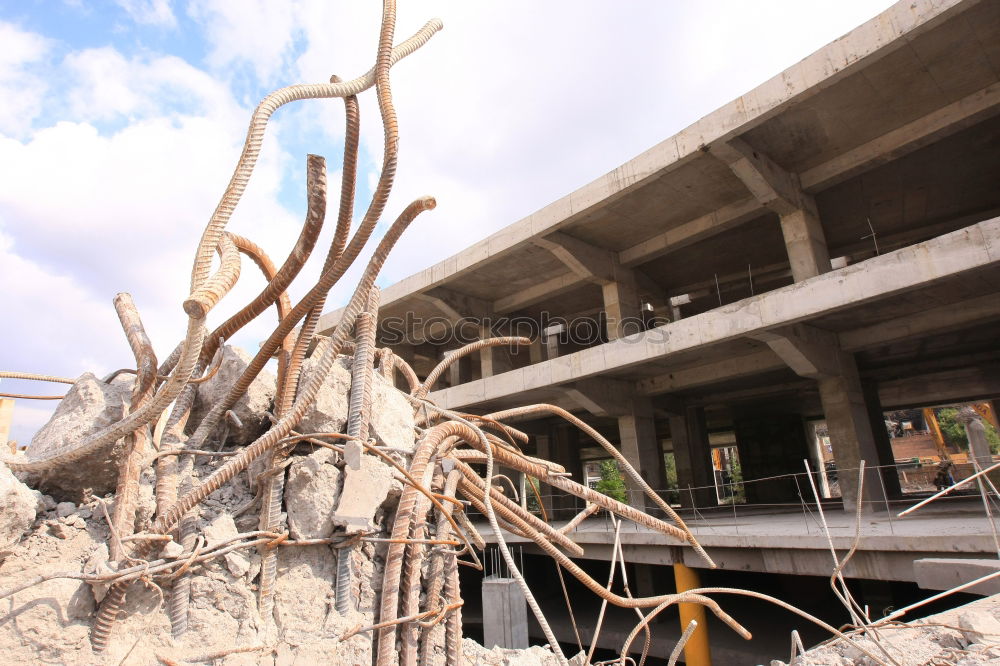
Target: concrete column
[(460, 371), (566, 448), (622, 305), (505, 614), (805, 243), (883, 443), (492, 360), (544, 449), (535, 353), (552, 334), (692, 457), (851, 435), (641, 447)]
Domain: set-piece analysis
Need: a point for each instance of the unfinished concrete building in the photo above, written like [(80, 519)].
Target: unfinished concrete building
[(819, 251)]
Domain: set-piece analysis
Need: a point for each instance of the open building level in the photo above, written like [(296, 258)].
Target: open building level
[(765, 286)]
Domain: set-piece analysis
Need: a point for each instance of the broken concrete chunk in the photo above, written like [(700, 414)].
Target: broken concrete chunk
[(18, 506), (980, 627), (249, 409), (364, 492), (328, 413), (311, 494), (392, 416), (64, 509), (90, 406), (172, 550)]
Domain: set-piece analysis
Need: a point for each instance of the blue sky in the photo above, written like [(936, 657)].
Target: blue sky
[(122, 121)]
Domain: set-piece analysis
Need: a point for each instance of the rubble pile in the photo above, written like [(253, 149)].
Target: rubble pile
[(965, 636)]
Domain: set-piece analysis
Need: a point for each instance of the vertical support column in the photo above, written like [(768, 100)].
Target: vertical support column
[(535, 354), (805, 243), (492, 360), (692, 456), (460, 371), (6, 416), (552, 334), (883, 444), (697, 651), (850, 433), (543, 449), (622, 305), (640, 446), (505, 614), (567, 451)]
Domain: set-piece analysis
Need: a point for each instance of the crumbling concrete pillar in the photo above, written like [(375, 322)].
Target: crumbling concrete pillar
[(693, 458), (640, 446), (505, 614), (805, 243), (851, 434), (622, 305)]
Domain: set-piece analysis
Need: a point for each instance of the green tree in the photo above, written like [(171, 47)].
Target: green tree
[(611, 484), (954, 432), (670, 467)]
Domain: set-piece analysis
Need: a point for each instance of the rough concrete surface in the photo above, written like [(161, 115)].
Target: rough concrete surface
[(965, 636), (51, 621), (89, 406), (249, 409)]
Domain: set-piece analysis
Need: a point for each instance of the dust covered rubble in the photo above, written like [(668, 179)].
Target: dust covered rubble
[(50, 622), (965, 636)]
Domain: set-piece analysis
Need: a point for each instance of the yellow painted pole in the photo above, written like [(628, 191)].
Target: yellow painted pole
[(696, 652)]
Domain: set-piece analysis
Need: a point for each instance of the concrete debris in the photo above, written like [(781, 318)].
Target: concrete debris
[(250, 409), (312, 492), (328, 413), (534, 656), (365, 491), (18, 506), (979, 627), (968, 635), (90, 405)]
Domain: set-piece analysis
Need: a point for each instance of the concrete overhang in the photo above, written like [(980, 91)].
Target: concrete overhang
[(970, 254), (914, 90)]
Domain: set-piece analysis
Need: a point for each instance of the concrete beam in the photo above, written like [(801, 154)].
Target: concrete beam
[(711, 373), (537, 293), (944, 573), (887, 275), (772, 186), (588, 262), (780, 191), (809, 351), (453, 305), (912, 136), (941, 319), (689, 233), (602, 397)]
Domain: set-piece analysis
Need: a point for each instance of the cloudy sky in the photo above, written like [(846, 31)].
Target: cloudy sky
[(121, 122)]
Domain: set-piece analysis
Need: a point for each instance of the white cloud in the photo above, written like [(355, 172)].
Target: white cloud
[(151, 12), (510, 107), (257, 32), (21, 89)]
